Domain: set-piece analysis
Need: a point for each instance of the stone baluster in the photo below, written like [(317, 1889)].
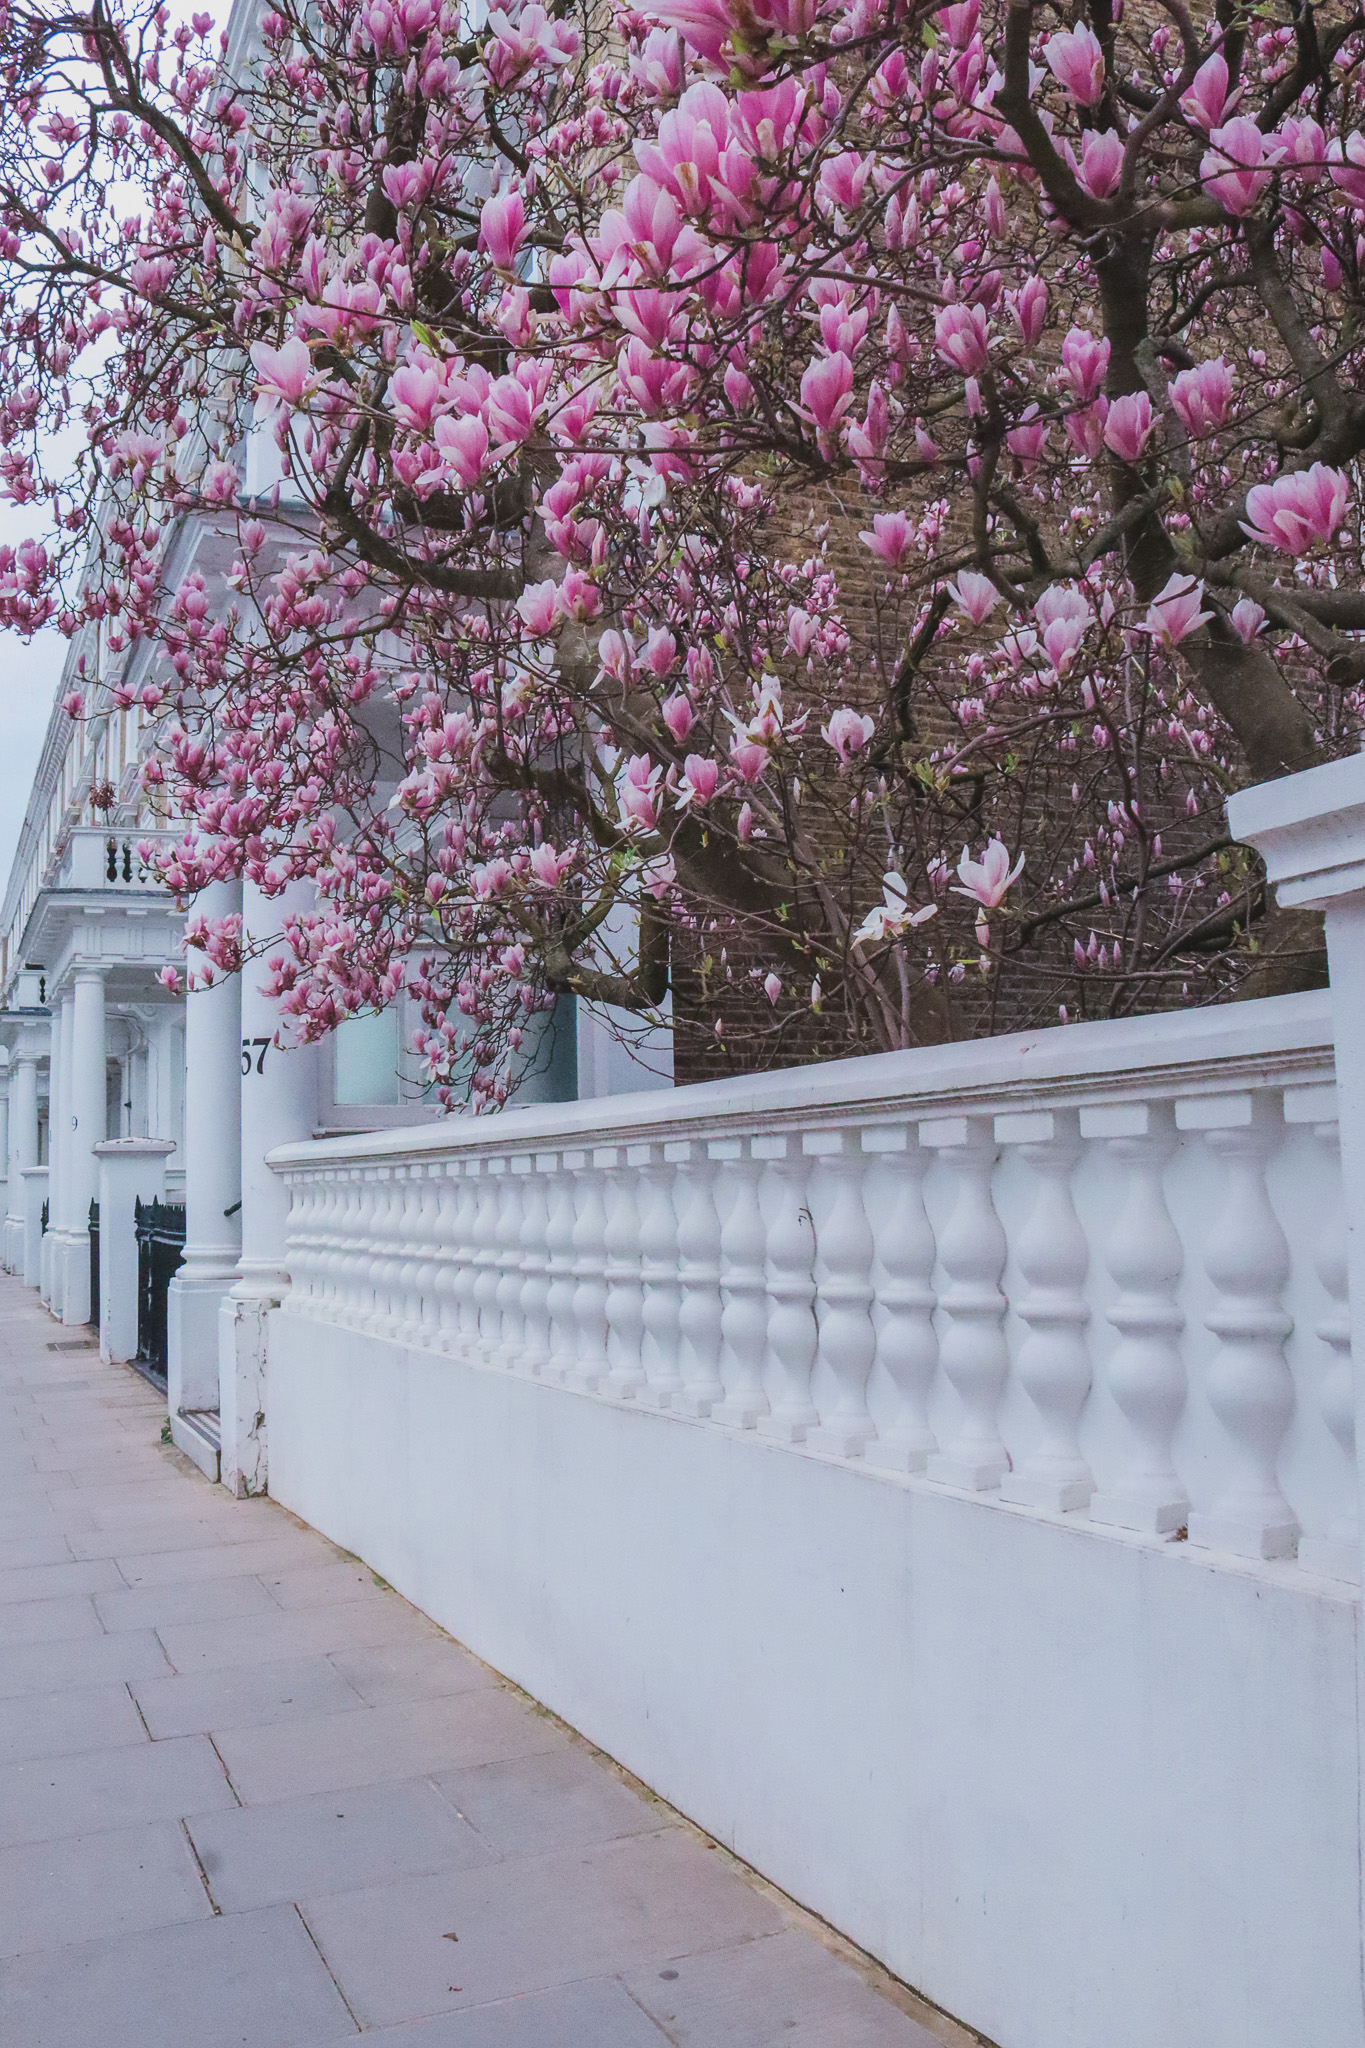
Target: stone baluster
[(406, 1310), (1146, 1369), (590, 1288), (903, 1311), (659, 1341), (1337, 1554), (486, 1185), (621, 1273), (385, 1258), (743, 1296), (345, 1260), (789, 1277), (699, 1307), (326, 1266), (510, 1276), (371, 1295), (847, 1341), (972, 1349), (466, 1256), (559, 1263), (535, 1216), (428, 1252), (1250, 1387), (448, 1200), (1053, 1365)]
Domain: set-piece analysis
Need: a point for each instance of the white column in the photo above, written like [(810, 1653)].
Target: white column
[(213, 1192), (279, 1106), (23, 1148), (59, 1114), (87, 1123)]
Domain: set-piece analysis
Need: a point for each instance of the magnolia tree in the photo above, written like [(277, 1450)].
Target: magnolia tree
[(806, 504)]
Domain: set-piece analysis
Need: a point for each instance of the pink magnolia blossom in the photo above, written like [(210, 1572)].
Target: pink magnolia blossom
[(1348, 165), (1207, 101), (1084, 362), (1128, 426), (1076, 61), (219, 484), (416, 391), (890, 538), (848, 732), (1247, 619), (1029, 306), (697, 784), (1297, 510), (772, 987), (827, 391), (1202, 396), (1175, 611), (962, 336), (988, 880), (502, 228), (1238, 167), (975, 595), (285, 376), (1064, 617), (678, 716), (464, 447), (538, 606), (1101, 162), (548, 866)]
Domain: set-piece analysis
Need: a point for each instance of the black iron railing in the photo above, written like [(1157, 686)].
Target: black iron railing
[(160, 1228), (44, 1219), (95, 1263)]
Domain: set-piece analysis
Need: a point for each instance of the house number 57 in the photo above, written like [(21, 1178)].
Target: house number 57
[(250, 1045)]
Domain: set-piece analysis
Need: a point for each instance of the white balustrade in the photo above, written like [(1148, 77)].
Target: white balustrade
[(1250, 1386), (903, 1273), (590, 1287), (793, 1335), (1053, 1364), (1069, 1283), (972, 1348), (744, 1306)]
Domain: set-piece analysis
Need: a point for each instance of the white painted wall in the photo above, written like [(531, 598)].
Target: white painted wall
[(1082, 1789)]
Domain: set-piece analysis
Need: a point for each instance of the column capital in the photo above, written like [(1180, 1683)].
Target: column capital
[(1309, 829)]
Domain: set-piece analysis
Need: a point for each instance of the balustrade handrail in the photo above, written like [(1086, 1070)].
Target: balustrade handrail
[(1287, 1039)]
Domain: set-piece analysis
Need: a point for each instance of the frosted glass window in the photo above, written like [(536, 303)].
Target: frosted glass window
[(367, 1060)]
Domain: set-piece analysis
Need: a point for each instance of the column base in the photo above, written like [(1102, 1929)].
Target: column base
[(242, 1327), (970, 1475), (14, 1244), (193, 1301), (1058, 1496), (1245, 1536), (71, 1277), (1154, 1514)]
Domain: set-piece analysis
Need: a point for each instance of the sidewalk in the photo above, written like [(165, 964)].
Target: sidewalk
[(251, 1799)]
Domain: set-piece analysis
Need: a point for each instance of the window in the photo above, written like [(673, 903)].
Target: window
[(367, 1060)]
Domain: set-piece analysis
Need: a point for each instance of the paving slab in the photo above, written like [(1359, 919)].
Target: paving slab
[(564, 1799), (428, 1670), (402, 1740), (92, 1660), (69, 1723), (161, 1607), (781, 1992), (251, 1696), (48, 1579), (73, 1795), (596, 2014), (243, 1980), (305, 1849), (48, 1621), (214, 1645), (84, 1886), (533, 1922)]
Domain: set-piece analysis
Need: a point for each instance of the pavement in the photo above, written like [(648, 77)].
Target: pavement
[(249, 1798)]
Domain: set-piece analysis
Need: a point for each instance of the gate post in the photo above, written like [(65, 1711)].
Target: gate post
[(130, 1170)]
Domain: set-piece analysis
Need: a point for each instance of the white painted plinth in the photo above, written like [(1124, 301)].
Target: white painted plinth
[(1083, 1790), (130, 1170), (35, 1194)]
